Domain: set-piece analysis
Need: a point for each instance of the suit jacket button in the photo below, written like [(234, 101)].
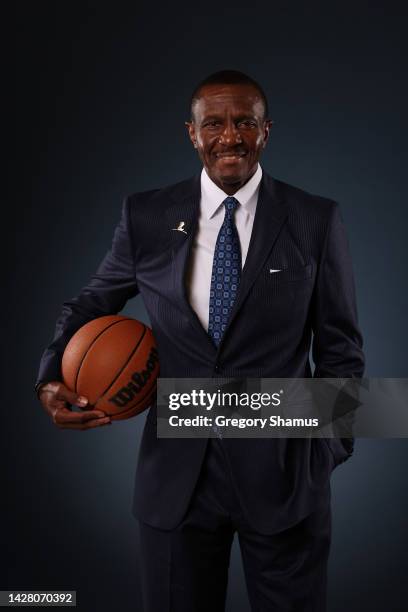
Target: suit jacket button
[(217, 368)]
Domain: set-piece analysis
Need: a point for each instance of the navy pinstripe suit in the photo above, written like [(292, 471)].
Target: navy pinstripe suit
[(273, 322)]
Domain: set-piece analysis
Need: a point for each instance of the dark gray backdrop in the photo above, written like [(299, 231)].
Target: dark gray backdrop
[(102, 94)]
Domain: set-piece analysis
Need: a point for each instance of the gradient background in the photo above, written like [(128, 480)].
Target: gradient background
[(102, 94)]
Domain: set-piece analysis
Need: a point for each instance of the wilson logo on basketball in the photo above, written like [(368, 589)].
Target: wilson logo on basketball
[(137, 382)]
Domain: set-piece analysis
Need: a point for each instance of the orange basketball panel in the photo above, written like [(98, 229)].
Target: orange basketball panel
[(136, 383), (79, 344), (106, 358)]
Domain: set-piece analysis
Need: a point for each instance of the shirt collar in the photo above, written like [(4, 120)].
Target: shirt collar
[(212, 196)]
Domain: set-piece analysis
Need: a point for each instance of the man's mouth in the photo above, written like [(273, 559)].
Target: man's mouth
[(231, 155)]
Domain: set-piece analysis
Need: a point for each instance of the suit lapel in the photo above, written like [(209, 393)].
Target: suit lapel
[(269, 219), (186, 209)]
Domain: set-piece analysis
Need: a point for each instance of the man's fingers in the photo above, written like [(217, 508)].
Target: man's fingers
[(60, 392), (56, 399), (72, 398), (90, 424), (65, 416)]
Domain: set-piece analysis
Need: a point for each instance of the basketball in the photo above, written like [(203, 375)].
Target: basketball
[(113, 361)]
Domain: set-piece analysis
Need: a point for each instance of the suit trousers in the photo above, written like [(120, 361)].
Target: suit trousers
[(186, 569)]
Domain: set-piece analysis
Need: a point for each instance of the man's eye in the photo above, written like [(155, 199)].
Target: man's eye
[(212, 124), (247, 123)]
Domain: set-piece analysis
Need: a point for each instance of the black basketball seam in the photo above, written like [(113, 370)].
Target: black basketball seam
[(124, 365), (93, 342)]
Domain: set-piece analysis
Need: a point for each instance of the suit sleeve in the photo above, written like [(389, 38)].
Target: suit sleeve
[(337, 342), (106, 293)]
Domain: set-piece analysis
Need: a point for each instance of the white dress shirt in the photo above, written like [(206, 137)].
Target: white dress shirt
[(211, 217)]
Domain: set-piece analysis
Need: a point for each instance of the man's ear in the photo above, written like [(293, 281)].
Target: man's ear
[(268, 123), (191, 132)]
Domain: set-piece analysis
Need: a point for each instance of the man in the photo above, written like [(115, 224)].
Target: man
[(288, 278)]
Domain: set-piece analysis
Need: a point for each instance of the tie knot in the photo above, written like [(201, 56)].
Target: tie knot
[(230, 204)]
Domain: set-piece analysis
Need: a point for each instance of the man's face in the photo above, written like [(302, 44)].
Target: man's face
[(229, 132)]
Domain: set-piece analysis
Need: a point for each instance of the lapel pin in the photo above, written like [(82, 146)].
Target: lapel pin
[(180, 227)]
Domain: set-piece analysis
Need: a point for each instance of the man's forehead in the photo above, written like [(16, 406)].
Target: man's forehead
[(212, 96)]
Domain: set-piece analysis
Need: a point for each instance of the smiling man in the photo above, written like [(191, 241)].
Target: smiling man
[(258, 273), (229, 129)]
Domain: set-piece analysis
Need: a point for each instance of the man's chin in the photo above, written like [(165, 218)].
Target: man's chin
[(231, 179), (234, 179), (230, 175)]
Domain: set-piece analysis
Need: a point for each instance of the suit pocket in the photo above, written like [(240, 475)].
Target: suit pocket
[(337, 450), (290, 274)]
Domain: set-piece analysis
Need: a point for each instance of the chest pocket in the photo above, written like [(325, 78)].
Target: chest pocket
[(287, 275), (287, 290)]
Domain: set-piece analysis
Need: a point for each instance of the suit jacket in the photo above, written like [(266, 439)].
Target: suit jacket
[(275, 320)]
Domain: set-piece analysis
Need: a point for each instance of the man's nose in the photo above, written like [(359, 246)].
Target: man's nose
[(230, 134)]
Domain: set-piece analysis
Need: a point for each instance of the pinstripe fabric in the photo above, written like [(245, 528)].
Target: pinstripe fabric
[(274, 321)]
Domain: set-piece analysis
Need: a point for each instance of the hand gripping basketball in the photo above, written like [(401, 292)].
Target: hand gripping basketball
[(56, 400), (113, 362)]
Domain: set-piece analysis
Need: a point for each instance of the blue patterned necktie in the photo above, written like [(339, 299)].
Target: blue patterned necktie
[(226, 273)]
